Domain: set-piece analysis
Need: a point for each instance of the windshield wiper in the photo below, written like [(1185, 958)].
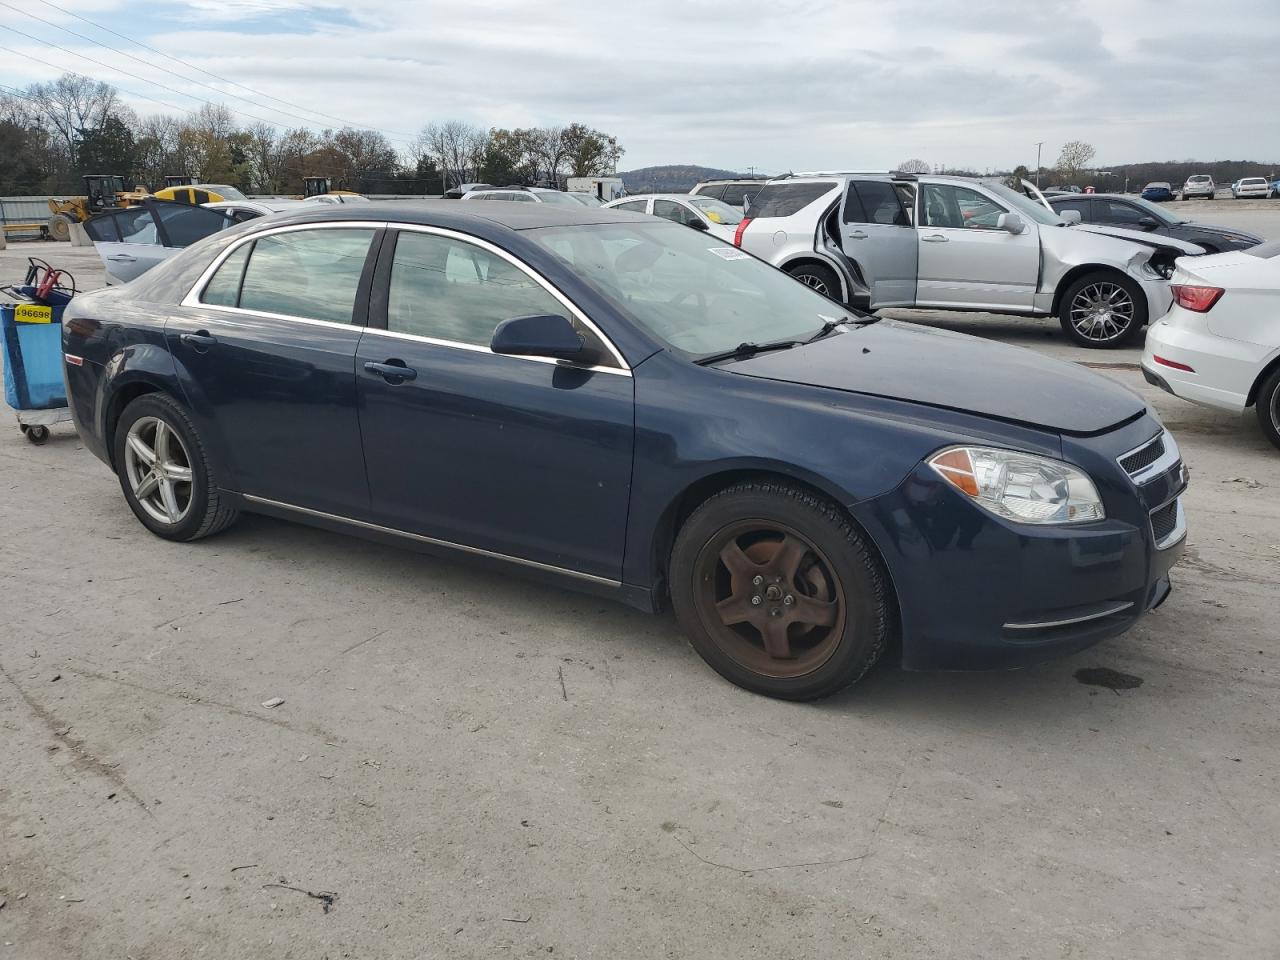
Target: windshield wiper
[(748, 349), (830, 325)]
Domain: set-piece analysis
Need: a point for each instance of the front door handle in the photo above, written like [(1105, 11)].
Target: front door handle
[(122, 258), (934, 238), (859, 235), (393, 371), (200, 341)]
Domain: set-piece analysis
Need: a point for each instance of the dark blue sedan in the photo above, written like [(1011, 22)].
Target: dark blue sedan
[(1158, 192), (631, 407)]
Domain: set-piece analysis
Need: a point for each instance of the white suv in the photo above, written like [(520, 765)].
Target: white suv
[(1200, 185), (954, 243)]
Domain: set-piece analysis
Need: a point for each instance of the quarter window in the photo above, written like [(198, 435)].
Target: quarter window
[(223, 288), (312, 274)]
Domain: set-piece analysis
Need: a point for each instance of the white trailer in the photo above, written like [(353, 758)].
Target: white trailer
[(606, 188)]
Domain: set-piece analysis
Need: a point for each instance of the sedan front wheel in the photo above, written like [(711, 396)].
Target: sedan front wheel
[(778, 592), (1103, 310)]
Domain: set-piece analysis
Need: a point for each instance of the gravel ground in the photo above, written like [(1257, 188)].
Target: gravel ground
[(469, 765)]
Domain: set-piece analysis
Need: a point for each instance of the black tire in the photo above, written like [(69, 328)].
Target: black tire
[(820, 278), (1210, 196), (1100, 334), (206, 509), (37, 434), (59, 227), (1267, 406), (839, 571)]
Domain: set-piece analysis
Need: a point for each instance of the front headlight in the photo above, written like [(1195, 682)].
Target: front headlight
[(1020, 486)]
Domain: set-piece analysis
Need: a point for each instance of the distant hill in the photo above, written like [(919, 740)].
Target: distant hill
[(673, 178)]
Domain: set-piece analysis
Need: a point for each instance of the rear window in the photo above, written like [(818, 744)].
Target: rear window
[(784, 199)]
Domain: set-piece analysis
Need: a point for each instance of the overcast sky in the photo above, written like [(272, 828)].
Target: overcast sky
[(778, 85)]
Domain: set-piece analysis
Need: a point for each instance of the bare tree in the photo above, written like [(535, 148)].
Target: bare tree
[(1075, 156), (455, 145), (73, 103), (913, 166)]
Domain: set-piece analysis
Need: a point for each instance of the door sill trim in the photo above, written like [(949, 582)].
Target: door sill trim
[(432, 541)]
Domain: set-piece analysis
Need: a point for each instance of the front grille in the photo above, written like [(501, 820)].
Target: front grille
[(1164, 521), (1143, 457)]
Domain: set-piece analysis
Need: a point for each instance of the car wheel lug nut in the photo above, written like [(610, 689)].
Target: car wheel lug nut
[(788, 599), (757, 580), (755, 601)]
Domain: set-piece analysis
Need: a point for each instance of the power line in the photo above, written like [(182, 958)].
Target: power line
[(208, 73), (141, 96), (200, 83)]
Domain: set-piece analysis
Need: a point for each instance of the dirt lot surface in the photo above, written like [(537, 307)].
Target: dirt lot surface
[(469, 765)]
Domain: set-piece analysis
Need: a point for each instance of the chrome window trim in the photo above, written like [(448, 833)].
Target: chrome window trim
[(520, 265), (192, 299), (476, 348), (434, 541)]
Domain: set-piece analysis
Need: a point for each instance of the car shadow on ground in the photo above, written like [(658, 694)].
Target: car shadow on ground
[(937, 700)]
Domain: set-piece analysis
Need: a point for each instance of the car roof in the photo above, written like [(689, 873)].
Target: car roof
[(466, 217)]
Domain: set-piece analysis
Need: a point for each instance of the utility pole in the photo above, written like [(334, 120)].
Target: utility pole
[(1038, 146)]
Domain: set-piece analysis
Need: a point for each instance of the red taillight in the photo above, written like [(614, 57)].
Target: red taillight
[(737, 234), (1199, 299), (1173, 363)]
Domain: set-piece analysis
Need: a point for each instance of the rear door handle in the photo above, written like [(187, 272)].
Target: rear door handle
[(392, 371), (934, 238), (858, 236), (199, 342)]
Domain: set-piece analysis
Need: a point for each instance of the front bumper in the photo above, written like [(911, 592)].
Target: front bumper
[(977, 592)]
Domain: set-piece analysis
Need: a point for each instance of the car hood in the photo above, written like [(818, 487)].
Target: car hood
[(954, 371), (1139, 236)]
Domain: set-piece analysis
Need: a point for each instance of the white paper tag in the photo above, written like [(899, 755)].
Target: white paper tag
[(729, 253)]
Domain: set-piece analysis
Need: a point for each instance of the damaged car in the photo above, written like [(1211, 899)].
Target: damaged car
[(955, 243)]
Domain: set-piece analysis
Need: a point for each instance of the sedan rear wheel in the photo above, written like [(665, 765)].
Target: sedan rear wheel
[(164, 472), (1103, 310), (1268, 407), (778, 592)]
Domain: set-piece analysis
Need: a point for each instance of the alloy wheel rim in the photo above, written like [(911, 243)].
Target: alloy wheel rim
[(1102, 311), (158, 468), (809, 280), (769, 599)]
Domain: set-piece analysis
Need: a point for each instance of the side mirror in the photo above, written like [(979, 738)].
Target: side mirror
[(698, 225), (542, 335), (1010, 223), (1148, 223), (1069, 216)]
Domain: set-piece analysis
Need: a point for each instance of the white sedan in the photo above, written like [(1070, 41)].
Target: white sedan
[(1219, 344), (701, 213)]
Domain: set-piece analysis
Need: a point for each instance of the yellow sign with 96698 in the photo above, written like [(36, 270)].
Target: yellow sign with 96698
[(33, 313)]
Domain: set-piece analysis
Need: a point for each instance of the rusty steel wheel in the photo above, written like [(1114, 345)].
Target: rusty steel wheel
[(769, 599), (778, 591)]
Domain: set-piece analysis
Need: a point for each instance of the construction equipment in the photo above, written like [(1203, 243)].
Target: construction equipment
[(174, 181), (322, 186), (101, 193)]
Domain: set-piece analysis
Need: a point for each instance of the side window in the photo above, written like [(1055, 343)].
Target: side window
[(520, 197), (308, 273), (184, 225), (670, 210), (878, 202), (853, 212), (223, 288), (452, 290), (103, 228), (946, 205), (1114, 212), (136, 225), (633, 206), (240, 216)]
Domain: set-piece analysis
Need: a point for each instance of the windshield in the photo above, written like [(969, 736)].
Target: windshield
[(717, 211), (1032, 209), (689, 290)]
